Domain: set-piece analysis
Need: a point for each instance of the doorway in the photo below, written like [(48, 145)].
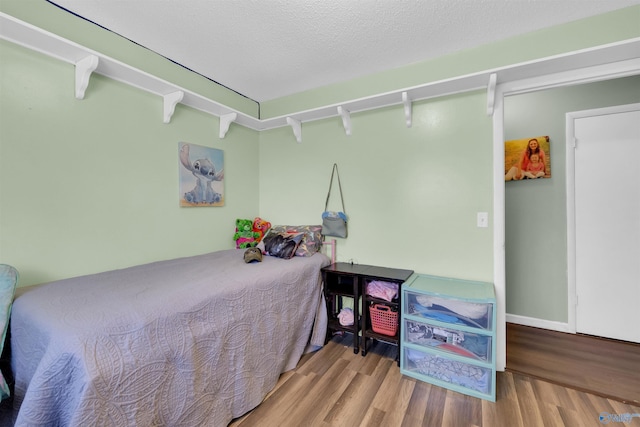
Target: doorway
[(502, 91), (604, 225)]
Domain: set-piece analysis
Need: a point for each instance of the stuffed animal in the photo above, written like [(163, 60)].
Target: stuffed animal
[(261, 227), (244, 236), (245, 242)]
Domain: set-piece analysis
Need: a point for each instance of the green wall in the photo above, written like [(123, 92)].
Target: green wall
[(92, 185), (536, 213), (411, 194)]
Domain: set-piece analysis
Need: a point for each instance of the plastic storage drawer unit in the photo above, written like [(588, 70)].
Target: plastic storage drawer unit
[(448, 334)]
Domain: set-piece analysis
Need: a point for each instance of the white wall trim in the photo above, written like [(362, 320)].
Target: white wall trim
[(539, 323), (591, 74), (499, 268), (570, 173)]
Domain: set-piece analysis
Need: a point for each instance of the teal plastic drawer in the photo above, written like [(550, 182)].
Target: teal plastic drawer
[(449, 340), (434, 368), (449, 310)]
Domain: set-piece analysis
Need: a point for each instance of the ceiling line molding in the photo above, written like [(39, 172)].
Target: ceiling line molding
[(88, 61)]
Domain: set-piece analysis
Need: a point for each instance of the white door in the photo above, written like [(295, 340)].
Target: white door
[(607, 222)]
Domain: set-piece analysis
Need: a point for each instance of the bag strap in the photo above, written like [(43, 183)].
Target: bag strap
[(334, 170)]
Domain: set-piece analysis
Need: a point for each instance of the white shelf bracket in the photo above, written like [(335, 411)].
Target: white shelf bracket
[(225, 122), (491, 93), (297, 128), (84, 68), (170, 102), (346, 120), (407, 108)]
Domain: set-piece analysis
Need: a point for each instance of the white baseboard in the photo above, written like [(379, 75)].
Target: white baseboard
[(538, 323)]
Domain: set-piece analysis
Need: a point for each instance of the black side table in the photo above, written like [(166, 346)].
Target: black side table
[(341, 280), (344, 279)]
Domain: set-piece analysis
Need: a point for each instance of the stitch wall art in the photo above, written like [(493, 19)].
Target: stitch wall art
[(527, 158), (201, 175)]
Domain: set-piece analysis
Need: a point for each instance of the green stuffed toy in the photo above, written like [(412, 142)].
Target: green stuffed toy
[(244, 236)]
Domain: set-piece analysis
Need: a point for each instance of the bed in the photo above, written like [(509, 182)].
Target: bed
[(191, 341)]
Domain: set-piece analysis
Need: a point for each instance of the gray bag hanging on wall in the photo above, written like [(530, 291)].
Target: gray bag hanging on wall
[(334, 223)]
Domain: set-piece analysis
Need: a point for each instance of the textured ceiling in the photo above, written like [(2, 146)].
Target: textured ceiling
[(266, 49)]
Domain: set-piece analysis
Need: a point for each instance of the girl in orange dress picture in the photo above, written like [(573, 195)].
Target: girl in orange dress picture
[(527, 159)]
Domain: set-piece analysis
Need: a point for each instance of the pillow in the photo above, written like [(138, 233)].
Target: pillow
[(312, 237), (280, 245)]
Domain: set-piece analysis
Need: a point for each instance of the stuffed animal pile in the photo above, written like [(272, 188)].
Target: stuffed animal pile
[(249, 233), (244, 236), (261, 227)]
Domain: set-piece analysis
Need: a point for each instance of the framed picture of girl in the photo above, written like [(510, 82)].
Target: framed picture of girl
[(527, 158)]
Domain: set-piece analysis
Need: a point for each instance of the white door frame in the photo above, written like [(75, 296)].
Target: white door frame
[(584, 75), (571, 197)]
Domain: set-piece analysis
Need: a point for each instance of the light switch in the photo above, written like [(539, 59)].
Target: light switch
[(483, 219)]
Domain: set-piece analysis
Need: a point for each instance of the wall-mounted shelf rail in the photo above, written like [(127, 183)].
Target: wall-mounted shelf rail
[(87, 61)]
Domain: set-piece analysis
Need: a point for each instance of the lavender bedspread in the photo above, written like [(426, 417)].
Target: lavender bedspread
[(194, 341)]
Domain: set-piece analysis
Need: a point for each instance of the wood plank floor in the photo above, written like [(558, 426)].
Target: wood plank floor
[(335, 387), (601, 366)]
